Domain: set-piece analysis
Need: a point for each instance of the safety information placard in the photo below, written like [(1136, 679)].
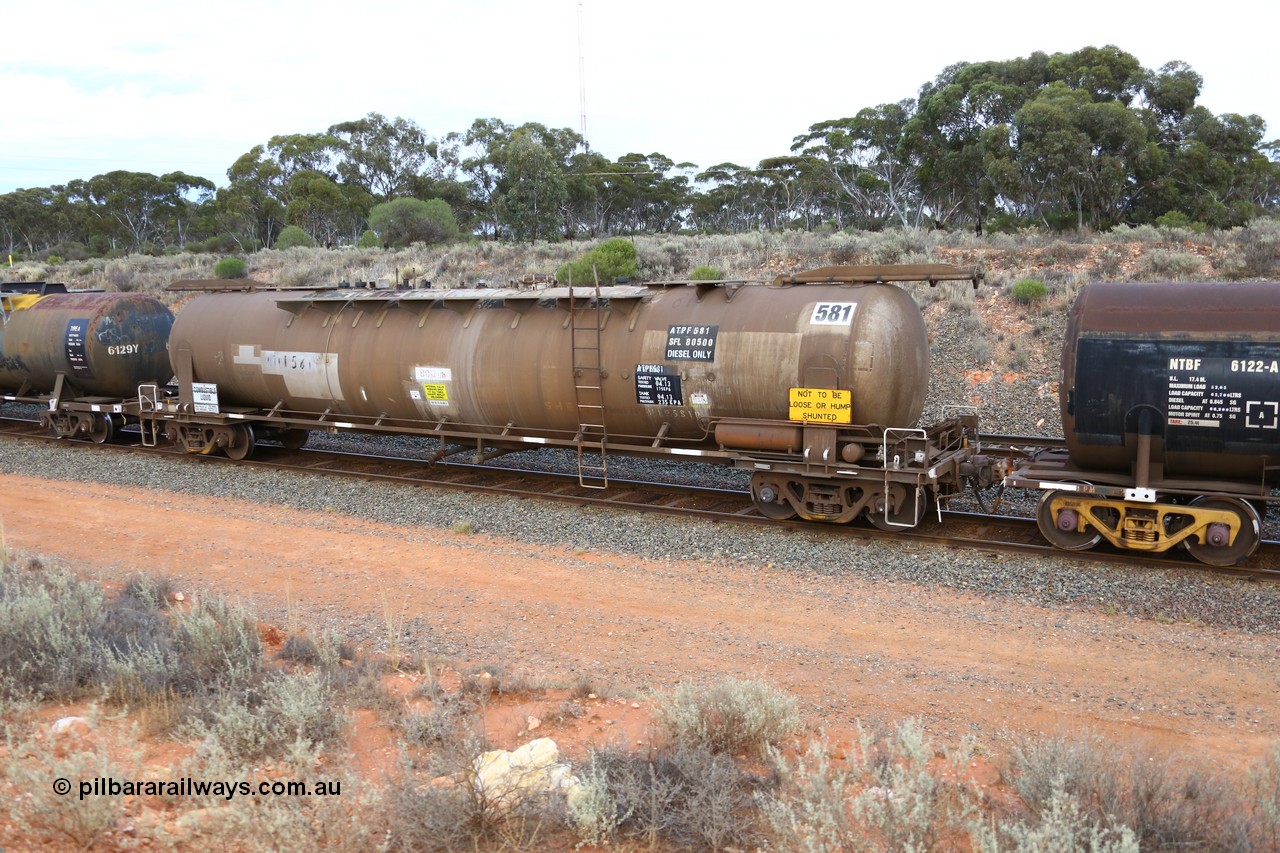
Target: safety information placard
[(76, 348), (437, 393), (657, 385), (826, 405), (204, 396)]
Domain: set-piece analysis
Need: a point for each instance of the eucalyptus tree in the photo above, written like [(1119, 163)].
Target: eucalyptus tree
[(728, 199), (36, 219), (957, 116), (541, 157), (533, 190), (139, 208), (865, 161), (1067, 158), (1212, 168), (323, 209), (1222, 174), (382, 155), (653, 194), (585, 204), (790, 193), (480, 160), (250, 207)]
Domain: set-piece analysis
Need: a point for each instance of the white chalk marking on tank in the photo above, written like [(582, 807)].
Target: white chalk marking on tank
[(246, 355)]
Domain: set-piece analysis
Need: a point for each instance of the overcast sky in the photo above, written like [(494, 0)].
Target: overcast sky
[(90, 87)]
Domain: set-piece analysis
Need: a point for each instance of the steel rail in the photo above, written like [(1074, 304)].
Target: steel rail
[(958, 529)]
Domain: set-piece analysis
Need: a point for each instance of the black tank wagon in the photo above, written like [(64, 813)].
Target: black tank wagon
[(81, 355), (1170, 400)]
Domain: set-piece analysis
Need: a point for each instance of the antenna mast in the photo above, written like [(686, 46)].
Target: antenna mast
[(582, 79)]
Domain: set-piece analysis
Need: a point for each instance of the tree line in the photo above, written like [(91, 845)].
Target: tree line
[(1082, 140)]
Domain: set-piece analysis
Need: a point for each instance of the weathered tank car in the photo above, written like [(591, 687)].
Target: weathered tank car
[(815, 382), (80, 355), (1170, 400)]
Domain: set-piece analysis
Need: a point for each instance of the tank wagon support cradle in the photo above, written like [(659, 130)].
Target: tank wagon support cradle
[(889, 475), (70, 416)]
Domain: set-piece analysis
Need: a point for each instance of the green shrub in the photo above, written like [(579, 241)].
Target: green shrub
[(62, 639), (1029, 290), (689, 797), (229, 268), (1163, 265), (369, 240), (1166, 800), (31, 808), (50, 628), (705, 274), (881, 796), (292, 237), (1260, 247), (731, 716), (1179, 226), (611, 260), (267, 721), (403, 221), (1061, 825)]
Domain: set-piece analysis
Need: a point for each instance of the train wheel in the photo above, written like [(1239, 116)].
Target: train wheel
[(293, 439), (1061, 528), (242, 442), (910, 511), (770, 502), (103, 429), (1214, 550)]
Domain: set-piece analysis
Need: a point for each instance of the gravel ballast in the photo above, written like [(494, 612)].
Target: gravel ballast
[(1164, 594)]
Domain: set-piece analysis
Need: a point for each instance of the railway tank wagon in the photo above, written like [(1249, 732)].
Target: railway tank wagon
[(81, 355), (814, 382), (1170, 401)]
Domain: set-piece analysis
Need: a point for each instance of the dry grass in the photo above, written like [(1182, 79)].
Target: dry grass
[(1146, 252)]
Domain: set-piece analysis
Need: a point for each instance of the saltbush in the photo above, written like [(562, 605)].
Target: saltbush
[(606, 263), (731, 716), (1029, 290), (229, 268), (292, 237)]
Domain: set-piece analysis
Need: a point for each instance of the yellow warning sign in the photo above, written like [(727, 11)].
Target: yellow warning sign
[(823, 405), (436, 393)]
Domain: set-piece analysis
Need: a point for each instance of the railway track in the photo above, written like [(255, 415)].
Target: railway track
[(992, 532)]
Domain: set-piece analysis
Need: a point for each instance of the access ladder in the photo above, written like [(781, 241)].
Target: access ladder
[(586, 326)]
